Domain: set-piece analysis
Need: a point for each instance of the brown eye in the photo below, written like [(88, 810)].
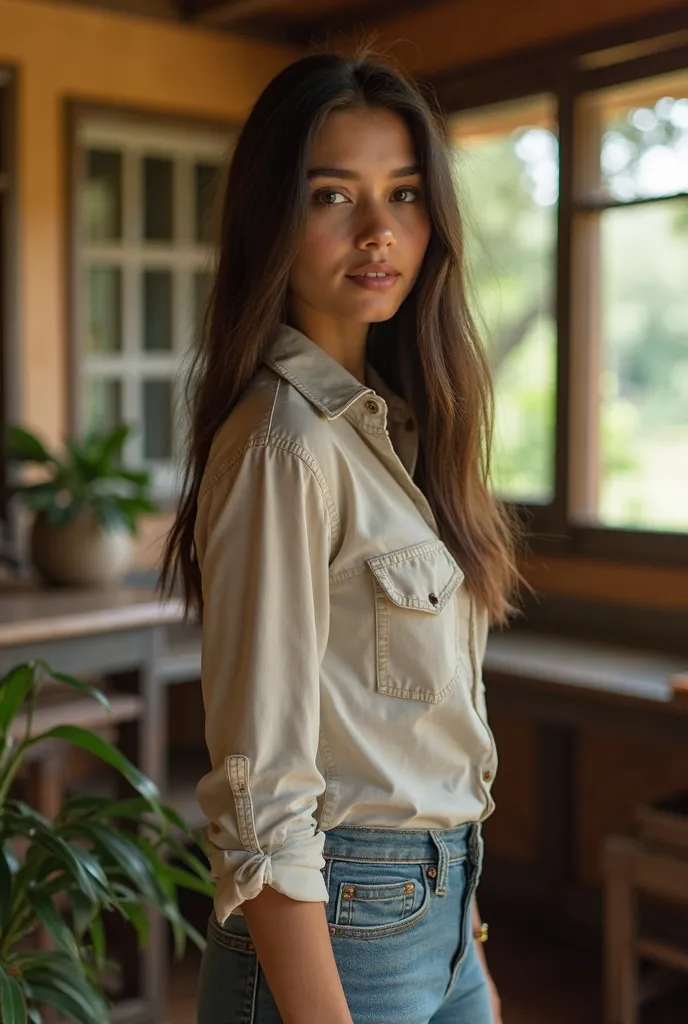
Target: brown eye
[(329, 197), (406, 195)]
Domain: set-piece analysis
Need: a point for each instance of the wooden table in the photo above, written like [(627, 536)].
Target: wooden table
[(564, 685), (116, 634)]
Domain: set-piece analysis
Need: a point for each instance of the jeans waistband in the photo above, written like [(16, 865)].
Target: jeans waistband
[(357, 842)]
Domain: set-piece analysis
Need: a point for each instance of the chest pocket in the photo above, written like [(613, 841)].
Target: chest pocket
[(417, 629)]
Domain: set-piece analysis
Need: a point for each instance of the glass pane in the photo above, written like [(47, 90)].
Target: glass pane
[(158, 199), (157, 311), (644, 136), (206, 195), (507, 176), (644, 427), (203, 283), (104, 309), (101, 196), (157, 419), (103, 404)]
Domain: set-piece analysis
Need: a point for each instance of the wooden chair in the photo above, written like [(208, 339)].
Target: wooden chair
[(653, 862)]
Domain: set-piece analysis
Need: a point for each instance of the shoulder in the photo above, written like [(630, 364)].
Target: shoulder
[(271, 416)]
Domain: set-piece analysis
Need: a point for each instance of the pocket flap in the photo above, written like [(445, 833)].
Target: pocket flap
[(424, 577)]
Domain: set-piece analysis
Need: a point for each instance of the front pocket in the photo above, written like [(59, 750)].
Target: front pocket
[(375, 910), (417, 635)]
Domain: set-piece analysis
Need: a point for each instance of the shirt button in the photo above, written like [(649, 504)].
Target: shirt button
[(432, 872), (488, 776), (433, 599), (333, 930), (373, 408)]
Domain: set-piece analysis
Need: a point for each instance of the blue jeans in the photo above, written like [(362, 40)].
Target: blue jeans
[(400, 921)]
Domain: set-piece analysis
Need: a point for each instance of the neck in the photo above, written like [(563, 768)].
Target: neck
[(343, 340)]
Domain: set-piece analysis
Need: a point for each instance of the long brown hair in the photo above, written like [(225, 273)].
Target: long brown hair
[(429, 351)]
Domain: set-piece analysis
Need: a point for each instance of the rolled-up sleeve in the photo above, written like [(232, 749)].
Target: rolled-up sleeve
[(263, 539)]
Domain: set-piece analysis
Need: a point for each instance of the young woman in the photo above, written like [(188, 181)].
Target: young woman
[(339, 538)]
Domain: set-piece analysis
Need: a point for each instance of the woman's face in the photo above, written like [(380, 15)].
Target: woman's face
[(367, 226)]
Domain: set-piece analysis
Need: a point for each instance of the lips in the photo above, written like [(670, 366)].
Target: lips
[(374, 271), (375, 277)]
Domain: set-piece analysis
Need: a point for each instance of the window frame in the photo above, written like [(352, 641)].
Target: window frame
[(105, 123), (557, 70)]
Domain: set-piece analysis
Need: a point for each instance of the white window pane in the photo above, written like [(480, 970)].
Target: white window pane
[(157, 311), (104, 309), (157, 419), (101, 197), (644, 387), (644, 139), (158, 220), (508, 170), (103, 404)]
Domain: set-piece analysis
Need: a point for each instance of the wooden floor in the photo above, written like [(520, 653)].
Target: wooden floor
[(540, 983)]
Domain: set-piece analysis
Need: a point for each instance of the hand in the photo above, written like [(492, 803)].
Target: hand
[(495, 1000)]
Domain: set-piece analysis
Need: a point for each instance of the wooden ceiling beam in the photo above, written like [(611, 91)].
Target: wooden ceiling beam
[(224, 12)]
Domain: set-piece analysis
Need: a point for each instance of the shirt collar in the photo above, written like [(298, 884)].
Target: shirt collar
[(318, 377)]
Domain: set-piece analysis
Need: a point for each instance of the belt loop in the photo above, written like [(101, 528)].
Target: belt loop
[(442, 863)]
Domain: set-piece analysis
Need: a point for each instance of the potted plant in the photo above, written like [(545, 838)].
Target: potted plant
[(87, 506), (97, 857)]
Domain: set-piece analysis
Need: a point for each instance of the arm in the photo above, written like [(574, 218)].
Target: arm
[(263, 537)]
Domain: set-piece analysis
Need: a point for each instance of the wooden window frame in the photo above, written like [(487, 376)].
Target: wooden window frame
[(566, 70)]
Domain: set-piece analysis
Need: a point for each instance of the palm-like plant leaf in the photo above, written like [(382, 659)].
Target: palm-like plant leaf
[(98, 856), (12, 1005)]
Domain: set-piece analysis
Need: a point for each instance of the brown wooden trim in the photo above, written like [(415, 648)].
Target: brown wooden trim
[(538, 68), (599, 579), (598, 206), (9, 285), (651, 65), (225, 12)]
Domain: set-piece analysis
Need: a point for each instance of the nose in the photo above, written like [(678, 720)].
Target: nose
[(375, 230)]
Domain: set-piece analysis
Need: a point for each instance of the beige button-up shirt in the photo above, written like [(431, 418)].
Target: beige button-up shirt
[(342, 650)]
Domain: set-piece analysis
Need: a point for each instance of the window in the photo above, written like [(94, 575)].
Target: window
[(507, 175), (572, 172), (144, 217), (631, 233)]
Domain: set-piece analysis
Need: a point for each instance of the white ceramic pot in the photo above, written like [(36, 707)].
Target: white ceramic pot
[(82, 553)]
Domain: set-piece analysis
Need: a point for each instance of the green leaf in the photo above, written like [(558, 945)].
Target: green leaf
[(40, 497), (137, 916), (83, 910), (14, 689), (187, 880), (75, 862), (74, 1003), (97, 932), (128, 855), (112, 444), (52, 920), (5, 891), (77, 684), (23, 446), (12, 1005), (140, 478), (97, 746)]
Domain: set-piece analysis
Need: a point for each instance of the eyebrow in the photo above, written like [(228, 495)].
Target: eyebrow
[(346, 175)]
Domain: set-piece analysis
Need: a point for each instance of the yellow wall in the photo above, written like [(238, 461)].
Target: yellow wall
[(64, 52), (459, 32)]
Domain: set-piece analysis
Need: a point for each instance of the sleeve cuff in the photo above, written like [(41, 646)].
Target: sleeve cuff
[(295, 870)]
